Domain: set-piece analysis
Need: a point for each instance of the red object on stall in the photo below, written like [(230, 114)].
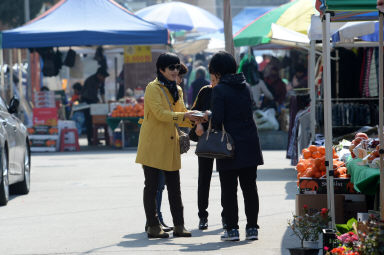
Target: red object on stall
[(63, 143), (45, 117)]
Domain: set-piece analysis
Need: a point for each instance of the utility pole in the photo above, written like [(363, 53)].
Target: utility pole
[(29, 87), (229, 47)]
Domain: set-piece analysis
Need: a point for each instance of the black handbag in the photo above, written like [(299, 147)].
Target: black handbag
[(216, 144), (183, 137)]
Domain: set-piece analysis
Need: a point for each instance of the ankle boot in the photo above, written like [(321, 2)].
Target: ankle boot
[(156, 232), (180, 231), (164, 226)]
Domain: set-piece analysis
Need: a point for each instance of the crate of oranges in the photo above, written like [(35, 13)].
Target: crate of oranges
[(311, 172), (131, 110), (312, 163)]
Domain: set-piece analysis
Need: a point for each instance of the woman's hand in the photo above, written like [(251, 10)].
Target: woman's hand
[(199, 129), (206, 115), (188, 115)]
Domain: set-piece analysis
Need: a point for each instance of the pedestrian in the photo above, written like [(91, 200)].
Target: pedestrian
[(205, 165), (199, 82), (277, 88), (159, 149), (93, 86), (231, 108), (159, 195)]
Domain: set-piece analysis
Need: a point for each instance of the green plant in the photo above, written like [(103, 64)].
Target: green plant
[(308, 226), (345, 228)]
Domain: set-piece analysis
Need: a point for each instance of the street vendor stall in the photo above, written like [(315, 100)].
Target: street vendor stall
[(342, 9), (83, 23)]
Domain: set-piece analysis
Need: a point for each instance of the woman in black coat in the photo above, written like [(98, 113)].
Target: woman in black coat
[(232, 107)]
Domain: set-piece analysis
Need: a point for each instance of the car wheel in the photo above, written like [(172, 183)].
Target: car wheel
[(24, 186), (4, 185)]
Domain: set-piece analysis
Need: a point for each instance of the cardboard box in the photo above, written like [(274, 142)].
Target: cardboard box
[(43, 142), (99, 119), (309, 185), (316, 202), (43, 130), (45, 117)]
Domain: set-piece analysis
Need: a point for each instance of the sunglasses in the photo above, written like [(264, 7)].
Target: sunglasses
[(174, 66)]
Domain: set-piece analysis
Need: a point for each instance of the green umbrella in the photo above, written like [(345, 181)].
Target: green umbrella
[(257, 32), (295, 15)]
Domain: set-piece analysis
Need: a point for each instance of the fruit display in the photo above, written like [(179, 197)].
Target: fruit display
[(130, 110), (312, 163)]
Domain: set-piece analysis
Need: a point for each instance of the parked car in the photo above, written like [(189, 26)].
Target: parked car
[(15, 155)]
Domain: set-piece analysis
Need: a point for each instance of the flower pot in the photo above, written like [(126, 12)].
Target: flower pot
[(303, 251), (311, 244)]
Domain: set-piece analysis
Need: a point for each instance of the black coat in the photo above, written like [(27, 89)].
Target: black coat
[(232, 106)]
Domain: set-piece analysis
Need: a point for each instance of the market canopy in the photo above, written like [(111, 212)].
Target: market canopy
[(349, 10), (295, 15), (85, 22), (181, 16)]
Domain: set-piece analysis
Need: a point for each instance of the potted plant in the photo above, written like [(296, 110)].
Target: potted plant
[(307, 228)]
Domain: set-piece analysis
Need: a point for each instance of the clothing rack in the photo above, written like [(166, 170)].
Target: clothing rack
[(352, 99)]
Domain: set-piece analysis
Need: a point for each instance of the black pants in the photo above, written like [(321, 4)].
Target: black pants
[(172, 180), (204, 183), (228, 181), (88, 125)]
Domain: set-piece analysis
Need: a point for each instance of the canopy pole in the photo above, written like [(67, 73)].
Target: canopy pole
[(2, 80), (381, 107), (311, 84), (20, 73), (328, 115), (11, 73), (229, 47)]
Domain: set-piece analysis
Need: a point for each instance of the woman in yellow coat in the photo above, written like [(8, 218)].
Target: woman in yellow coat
[(159, 148)]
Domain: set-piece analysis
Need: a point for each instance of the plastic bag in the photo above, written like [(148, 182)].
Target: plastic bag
[(266, 120)]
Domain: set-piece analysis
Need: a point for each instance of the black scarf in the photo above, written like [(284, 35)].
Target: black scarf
[(170, 85)]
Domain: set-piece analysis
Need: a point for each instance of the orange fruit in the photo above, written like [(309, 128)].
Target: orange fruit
[(307, 154), (312, 148)]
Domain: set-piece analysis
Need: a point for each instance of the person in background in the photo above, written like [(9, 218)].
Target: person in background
[(93, 86), (76, 93), (159, 196), (205, 165), (198, 83), (231, 108), (159, 148), (77, 116), (300, 79), (277, 88), (248, 66)]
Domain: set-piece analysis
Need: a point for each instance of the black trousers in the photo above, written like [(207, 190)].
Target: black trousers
[(88, 125), (228, 181), (204, 183), (172, 180)]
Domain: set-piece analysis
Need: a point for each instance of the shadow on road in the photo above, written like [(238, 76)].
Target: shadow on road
[(289, 241), (141, 240)]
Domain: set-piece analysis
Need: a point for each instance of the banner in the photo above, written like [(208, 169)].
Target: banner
[(137, 54)]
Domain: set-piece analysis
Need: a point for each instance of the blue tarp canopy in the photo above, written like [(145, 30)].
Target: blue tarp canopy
[(85, 22)]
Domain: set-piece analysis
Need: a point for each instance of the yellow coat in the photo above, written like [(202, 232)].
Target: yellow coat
[(159, 141)]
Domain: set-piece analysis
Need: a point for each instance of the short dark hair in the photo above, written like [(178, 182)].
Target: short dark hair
[(183, 69), (166, 59), (222, 63), (77, 86), (200, 72)]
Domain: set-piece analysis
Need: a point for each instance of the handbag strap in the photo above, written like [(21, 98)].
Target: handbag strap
[(170, 107), (224, 133)]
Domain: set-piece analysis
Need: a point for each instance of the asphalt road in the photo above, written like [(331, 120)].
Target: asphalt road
[(91, 203)]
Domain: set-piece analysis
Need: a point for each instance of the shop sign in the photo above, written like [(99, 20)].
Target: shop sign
[(137, 54)]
